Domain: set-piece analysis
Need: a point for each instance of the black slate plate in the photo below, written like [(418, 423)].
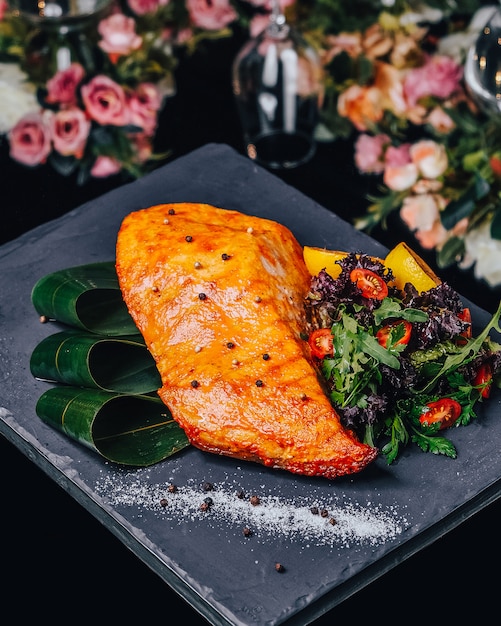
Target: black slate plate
[(383, 515)]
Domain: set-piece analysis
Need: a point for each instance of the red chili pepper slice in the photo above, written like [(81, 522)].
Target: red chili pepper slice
[(483, 380), (321, 343), (383, 333), (445, 411), (370, 284)]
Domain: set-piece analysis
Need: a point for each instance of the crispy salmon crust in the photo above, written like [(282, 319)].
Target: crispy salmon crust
[(218, 297)]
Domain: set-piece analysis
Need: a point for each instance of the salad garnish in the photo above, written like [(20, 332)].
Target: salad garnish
[(399, 366)]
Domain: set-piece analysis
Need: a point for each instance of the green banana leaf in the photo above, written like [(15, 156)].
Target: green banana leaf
[(129, 430), (86, 297), (122, 364)]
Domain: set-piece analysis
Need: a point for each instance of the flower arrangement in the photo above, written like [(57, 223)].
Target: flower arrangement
[(90, 104), (393, 81), (96, 108), (397, 86)]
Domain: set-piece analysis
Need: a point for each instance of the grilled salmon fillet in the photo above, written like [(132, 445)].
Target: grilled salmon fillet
[(219, 299)]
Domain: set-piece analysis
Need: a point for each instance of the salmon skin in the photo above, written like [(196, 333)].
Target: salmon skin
[(219, 299)]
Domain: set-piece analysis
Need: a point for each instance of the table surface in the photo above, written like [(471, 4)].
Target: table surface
[(56, 553)]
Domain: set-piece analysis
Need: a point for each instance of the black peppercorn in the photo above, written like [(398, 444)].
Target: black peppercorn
[(266, 356), (259, 383), (163, 503), (225, 256), (194, 384), (202, 296), (172, 212), (189, 238)]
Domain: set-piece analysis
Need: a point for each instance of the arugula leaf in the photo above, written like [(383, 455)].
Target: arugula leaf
[(354, 366), (467, 352), (371, 346)]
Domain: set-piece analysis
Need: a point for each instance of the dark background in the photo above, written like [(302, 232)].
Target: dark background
[(59, 563)]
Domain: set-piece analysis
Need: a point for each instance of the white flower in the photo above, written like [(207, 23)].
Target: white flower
[(485, 253), (17, 96)]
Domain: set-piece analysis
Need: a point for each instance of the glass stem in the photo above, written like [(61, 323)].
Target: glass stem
[(278, 27)]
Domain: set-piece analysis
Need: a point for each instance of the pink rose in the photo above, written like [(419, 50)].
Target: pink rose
[(396, 156), (29, 139), (400, 177), (439, 76), (432, 239), (419, 212), (211, 14), (70, 129), (144, 105), (105, 101), (369, 153), (119, 36), (440, 121), (3, 9), (399, 173), (105, 166), (141, 7), (430, 158), (63, 85)]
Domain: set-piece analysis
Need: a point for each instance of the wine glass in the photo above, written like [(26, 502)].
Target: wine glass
[(277, 86), (60, 32), (482, 71), (55, 12)]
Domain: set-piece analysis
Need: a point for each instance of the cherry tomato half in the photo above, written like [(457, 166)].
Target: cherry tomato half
[(383, 333), (483, 379), (465, 316), (445, 411), (321, 343), (370, 284)]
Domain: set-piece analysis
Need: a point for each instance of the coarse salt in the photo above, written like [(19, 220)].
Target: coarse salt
[(346, 523)]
